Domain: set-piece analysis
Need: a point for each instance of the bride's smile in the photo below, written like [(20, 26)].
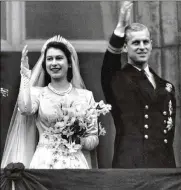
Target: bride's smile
[(56, 63)]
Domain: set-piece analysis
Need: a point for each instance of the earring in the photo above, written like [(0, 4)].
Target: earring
[(70, 66)]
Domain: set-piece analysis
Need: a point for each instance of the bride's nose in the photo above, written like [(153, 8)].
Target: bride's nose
[(54, 62)]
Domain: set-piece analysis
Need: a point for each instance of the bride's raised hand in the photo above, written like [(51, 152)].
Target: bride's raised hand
[(24, 58), (24, 68)]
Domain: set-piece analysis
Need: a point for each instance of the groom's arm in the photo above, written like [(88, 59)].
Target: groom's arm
[(111, 63), (112, 58)]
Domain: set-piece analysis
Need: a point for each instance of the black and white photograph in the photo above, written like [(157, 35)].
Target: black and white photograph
[(90, 95)]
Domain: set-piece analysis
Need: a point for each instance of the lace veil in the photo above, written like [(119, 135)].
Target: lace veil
[(21, 138)]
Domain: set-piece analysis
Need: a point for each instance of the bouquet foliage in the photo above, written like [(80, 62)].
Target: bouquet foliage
[(74, 124)]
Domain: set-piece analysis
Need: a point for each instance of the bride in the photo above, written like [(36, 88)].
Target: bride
[(55, 78)]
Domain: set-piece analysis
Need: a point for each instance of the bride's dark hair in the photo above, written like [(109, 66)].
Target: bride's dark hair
[(62, 47)]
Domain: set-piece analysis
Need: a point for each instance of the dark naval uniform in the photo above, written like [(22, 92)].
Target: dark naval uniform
[(140, 113)]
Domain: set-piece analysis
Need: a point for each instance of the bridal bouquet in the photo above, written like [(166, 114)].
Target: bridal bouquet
[(73, 124)]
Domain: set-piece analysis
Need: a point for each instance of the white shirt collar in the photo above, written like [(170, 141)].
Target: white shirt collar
[(147, 70), (148, 74)]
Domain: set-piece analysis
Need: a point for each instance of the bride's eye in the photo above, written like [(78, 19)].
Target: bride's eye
[(59, 58), (49, 58)]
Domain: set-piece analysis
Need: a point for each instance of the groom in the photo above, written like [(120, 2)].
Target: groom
[(143, 104)]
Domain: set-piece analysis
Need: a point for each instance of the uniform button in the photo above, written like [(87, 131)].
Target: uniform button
[(165, 141), (146, 126), (146, 136), (146, 106), (165, 131), (165, 121), (164, 113), (146, 116)]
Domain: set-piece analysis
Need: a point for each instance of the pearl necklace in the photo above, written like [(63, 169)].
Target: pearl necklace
[(58, 92)]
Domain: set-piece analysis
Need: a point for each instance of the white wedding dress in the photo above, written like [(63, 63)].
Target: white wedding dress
[(45, 105), (37, 104)]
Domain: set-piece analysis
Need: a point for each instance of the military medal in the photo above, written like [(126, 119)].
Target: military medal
[(168, 87), (170, 108), (170, 121)]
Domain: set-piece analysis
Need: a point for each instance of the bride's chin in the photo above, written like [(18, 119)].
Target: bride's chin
[(56, 76)]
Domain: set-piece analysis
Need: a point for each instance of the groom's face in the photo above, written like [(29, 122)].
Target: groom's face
[(139, 46)]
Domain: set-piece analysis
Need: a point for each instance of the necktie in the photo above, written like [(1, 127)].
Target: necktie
[(149, 78)]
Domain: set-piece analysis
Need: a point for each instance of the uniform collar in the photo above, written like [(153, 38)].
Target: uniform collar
[(147, 70)]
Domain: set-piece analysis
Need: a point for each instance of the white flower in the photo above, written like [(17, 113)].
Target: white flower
[(101, 104), (71, 112), (80, 114), (66, 119), (59, 126), (72, 147), (68, 132), (102, 131), (72, 120), (83, 125)]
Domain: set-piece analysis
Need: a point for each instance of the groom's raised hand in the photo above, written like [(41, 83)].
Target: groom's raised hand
[(124, 17)]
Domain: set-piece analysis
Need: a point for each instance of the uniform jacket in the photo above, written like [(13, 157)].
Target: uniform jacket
[(140, 112)]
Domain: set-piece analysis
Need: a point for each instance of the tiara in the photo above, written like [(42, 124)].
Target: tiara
[(59, 39)]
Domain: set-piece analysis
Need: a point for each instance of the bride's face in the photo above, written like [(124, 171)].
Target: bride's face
[(56, 63)]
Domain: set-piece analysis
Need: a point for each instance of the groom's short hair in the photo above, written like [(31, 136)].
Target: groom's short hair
[(134, 27)]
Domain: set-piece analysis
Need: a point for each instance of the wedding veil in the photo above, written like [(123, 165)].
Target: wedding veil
[(21, 138)]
